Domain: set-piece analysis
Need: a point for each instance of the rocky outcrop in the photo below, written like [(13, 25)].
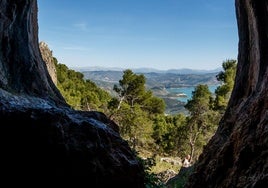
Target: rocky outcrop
[(47, 56), (22, 69), (41, 137), (237, 155)]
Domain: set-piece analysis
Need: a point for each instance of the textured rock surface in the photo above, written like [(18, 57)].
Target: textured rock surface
[(237, 156), (22, 69), (47, 56), (40, 135)]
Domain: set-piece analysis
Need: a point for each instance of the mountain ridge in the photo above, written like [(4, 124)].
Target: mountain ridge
[(156, 82), (148, 70)]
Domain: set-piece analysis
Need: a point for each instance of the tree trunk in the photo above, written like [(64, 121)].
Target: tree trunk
[(236, 156), (192, 146)]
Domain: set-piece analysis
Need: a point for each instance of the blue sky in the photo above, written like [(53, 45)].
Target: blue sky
[(161, 34)]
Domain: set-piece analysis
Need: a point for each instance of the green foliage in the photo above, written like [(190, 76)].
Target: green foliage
[(135, 125), (140, 114), (151, 179), (154, 105), (205, 114), (223, 92), (79, 93), (163, 133), (162, 165), (200, 122), (169, 132), (181, 179), (131, 90), (181, 137), (134, 108), (200, 101)]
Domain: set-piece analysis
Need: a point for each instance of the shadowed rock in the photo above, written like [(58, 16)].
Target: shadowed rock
[(40, 135), (237, 156)]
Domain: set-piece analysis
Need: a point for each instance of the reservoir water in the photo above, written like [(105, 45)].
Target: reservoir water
[(187, 91)]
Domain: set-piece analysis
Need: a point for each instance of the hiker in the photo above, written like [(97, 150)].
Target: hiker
[(186, 161)]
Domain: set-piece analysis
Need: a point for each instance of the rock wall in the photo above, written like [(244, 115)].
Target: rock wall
[(237, 155), (22, 69), (43, 140), (47, 56)]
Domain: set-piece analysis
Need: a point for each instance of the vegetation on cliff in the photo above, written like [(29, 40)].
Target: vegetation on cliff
[(141, 118)]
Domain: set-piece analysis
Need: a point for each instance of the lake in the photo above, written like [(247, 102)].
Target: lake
[(187, 91)]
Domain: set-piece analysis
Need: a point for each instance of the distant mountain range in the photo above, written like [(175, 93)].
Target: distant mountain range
[(158, 81), (147, 70)]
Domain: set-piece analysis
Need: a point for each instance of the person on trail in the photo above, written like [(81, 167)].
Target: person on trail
[(186, 161)]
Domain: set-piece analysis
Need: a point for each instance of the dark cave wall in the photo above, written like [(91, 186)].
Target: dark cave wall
[(237, 155), (41, 137), (22, 69)]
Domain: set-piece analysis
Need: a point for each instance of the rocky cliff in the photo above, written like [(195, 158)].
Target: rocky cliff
[(237, 156), (40, 135), (47, 56)]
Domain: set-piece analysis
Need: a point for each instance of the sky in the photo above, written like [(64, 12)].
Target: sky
[(160, 34)]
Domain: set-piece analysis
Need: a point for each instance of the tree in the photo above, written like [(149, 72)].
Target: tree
[(153, 105), (79, 93), (169, 133), (134, 107), (223, 92), (135, 125), (162, 134), (201, 120), (131, 88)]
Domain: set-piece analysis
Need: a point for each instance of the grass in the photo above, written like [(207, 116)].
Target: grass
[(163, 165)]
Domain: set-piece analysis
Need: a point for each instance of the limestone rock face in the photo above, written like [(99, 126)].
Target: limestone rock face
[(41, 137), (47, 56), (237, 156)]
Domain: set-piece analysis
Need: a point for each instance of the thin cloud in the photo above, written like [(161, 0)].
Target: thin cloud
[(76, 48), (81, 26)]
